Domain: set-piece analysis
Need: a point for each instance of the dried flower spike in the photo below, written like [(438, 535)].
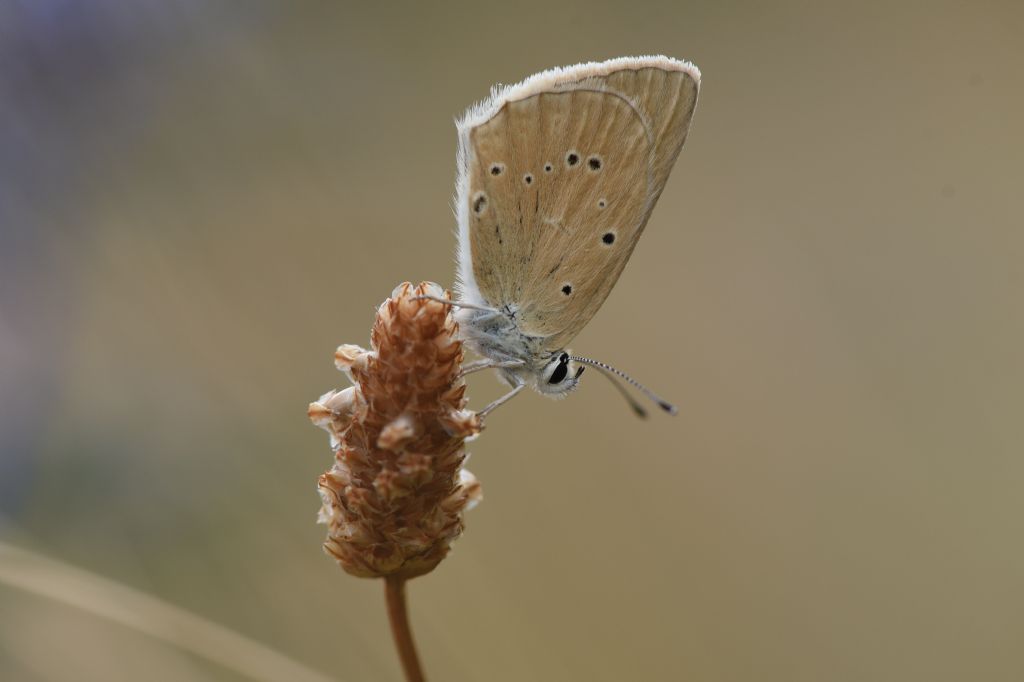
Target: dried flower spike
[(393, 501)]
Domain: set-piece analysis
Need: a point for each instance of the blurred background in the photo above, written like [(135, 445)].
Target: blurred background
[(200, 200)]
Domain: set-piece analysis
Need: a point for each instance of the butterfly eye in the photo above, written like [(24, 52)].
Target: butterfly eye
[(562, 371)]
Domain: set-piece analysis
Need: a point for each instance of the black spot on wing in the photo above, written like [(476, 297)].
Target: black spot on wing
[(479, 203)]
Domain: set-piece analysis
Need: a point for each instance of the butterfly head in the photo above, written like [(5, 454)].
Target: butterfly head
[(559, 375)]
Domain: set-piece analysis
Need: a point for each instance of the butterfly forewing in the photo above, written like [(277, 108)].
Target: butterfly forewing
[(559, 183)]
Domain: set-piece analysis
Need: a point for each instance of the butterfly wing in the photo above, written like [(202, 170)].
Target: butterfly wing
[(557, 178)]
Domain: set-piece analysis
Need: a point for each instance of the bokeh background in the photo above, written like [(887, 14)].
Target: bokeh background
[(200, 200)]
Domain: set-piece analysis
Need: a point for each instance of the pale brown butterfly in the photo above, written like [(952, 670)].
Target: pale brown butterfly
[(557, 177)]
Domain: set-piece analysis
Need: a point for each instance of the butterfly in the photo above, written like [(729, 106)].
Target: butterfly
[(557, 177)]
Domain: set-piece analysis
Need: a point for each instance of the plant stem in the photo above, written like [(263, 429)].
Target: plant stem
[(394, 590), (24, 569)]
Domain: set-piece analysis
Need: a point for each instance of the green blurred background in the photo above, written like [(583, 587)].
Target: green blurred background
[(200, 200)]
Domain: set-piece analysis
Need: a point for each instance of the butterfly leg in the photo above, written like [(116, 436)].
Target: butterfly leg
[(502, 400), (470, 306), (471, 367)]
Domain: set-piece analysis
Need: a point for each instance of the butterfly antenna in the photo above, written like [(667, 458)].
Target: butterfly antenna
[(609, 371), (637, 407)]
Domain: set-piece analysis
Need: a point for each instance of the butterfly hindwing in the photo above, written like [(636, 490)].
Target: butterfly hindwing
[(557, 180)]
